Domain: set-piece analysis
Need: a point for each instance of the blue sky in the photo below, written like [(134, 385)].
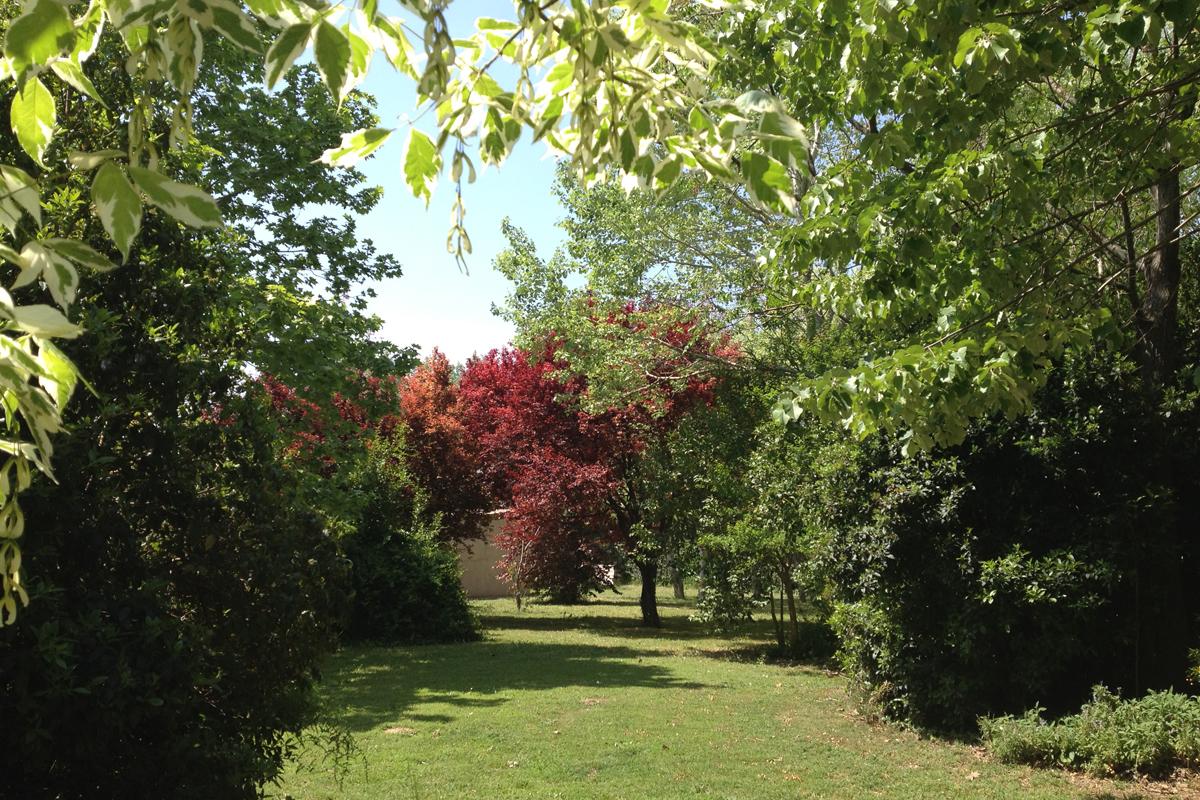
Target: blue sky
[(434, 304)]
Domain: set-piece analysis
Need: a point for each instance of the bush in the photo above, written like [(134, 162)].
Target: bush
[(179, 608), (407, 584), (1015, 568), (1152, 735)]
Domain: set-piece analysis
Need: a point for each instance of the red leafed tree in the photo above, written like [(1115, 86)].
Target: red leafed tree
[(442, 453), (574, 479), (538, 461)]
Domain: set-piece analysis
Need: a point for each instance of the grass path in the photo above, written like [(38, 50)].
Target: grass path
[(577, 702)]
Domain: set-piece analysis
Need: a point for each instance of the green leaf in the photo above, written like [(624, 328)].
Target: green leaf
[(60, 276), (284, 51), (355, 146), (332, 51), (492, 24), (82, 254), (422, 163), (966, 44), (21, 192), (1178, 11), (12, 257), (71, 72), (44, 320), (16, 353), (396, 47), (127, 13), (117, 205), (486, 86), (85, 161), (232, 23), (33, 260), (1133, 30), (276, 13), (360, 60), (87, 32), (186, 203), (184, 48), (42, 32), (59, 375), (33, 118), (767, 181), (777, 125), (756, 101)]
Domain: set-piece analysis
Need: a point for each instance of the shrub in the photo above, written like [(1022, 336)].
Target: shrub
[(407, 584), (1017, 567), (1152, 735), (180, 608)]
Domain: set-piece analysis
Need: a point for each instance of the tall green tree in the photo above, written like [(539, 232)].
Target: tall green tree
[(184, 590)]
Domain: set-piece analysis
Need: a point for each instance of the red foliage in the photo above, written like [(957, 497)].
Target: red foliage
[(307, 423), (442, 453), (567, 474), (537, 454)]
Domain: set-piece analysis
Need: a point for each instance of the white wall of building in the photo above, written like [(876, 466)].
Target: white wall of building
[(478, 558)]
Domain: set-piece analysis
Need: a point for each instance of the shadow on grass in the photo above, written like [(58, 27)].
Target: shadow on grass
[(601, 624), (593, 616), (382, 685), (769, 654)]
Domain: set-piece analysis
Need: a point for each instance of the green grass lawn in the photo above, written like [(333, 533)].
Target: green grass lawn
[(579, 702)]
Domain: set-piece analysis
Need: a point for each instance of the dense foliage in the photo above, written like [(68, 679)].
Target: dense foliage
[(546, 463), (581, 55), (441, 451), (1152, 735), (188, 588), (372, 462), (407, 584)]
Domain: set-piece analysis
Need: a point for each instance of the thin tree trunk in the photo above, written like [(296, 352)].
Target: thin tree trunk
[(649, 601), (789, 586), (776, 622), (1158, 316), (1162, 628), (677, 582)]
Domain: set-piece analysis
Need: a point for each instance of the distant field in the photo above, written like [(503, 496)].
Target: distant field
[(578, 702)]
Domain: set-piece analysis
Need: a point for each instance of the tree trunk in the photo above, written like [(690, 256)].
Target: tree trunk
[(789, 587), (1158, 316), (1162, 633), (649, 601), (776, 623), (677, 582)]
